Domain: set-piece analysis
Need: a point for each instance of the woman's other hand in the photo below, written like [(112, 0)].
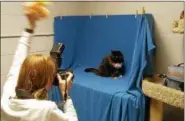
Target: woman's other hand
[(62, 83)]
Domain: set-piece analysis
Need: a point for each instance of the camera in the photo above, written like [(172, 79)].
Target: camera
[(56, 54)]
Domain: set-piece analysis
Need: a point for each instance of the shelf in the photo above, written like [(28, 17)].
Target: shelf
[(153, 88)]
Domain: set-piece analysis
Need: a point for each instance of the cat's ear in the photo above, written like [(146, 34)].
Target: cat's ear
[(112, 51)]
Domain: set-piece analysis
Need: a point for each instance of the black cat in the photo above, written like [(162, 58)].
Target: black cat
[(111, 66)]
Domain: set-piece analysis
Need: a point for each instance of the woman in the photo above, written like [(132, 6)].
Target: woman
[(25, 92)]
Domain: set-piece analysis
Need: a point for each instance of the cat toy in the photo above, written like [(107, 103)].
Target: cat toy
[(178, 25), (37, 6), (143, 11)]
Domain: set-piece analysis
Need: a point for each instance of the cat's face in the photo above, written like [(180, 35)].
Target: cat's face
[(117, 56)]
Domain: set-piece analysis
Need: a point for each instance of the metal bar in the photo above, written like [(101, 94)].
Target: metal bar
[(17, 36)]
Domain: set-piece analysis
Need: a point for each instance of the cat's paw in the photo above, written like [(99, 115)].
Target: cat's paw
[(114, 78)]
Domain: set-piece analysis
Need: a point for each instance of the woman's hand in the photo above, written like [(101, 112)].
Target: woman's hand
[(32, 20), (34, 11), (62, 83)]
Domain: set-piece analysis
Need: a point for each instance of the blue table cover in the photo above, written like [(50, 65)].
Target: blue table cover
[(87, 40)]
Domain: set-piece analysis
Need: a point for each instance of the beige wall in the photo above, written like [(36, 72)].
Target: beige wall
[(169, 45)]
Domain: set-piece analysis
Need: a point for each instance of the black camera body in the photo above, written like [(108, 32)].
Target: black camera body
[(56, 53)]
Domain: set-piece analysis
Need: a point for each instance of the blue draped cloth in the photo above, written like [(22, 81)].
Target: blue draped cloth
[(87, 41)]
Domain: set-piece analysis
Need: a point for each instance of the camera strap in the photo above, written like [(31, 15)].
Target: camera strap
[(65, 92), (24, 94)]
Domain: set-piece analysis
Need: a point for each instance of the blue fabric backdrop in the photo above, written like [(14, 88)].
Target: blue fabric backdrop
[(87, 41)]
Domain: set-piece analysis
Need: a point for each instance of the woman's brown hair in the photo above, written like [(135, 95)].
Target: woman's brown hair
[(36, 72)]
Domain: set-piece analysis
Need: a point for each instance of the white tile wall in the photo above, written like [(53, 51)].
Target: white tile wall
[(3, 77), (13, 22), (6, 63), (16, 23), (38, 44)]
